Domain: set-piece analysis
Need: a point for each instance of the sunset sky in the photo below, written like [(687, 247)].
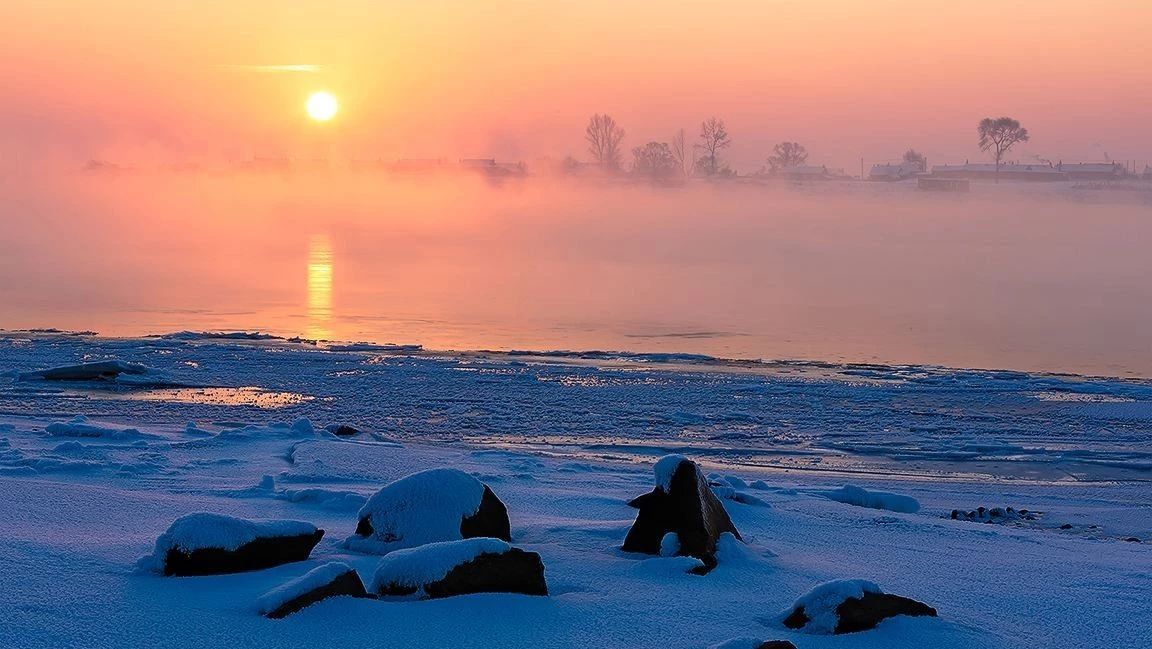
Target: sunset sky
[(146, 82)]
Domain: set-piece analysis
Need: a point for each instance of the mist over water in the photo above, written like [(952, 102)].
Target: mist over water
[(1032, 278)]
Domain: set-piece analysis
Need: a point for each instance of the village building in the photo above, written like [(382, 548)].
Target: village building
[(987, 171), (1093, 170), (894, 172)]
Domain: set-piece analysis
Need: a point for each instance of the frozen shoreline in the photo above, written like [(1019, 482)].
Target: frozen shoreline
[(565, 445)]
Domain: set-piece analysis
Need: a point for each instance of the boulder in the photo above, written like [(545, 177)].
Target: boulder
[(429, 507), (342, 430), (214, 544), (329, 580), (848, 606), (753, 643), (682, 504), (446, 569)]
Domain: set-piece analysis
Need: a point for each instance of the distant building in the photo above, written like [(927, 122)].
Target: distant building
[(1147, 172), (490, 167), (987, 171), (894, 172), (809, 172), (1093, 170)]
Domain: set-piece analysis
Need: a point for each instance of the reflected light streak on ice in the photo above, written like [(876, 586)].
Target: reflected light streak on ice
[(319, 286)]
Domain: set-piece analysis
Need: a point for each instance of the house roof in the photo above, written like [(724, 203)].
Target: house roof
[(988, 167), (1101, 167)]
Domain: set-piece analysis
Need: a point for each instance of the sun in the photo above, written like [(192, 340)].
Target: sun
[(322, 106)]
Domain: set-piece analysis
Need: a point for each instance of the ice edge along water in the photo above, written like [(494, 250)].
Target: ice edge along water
[(82, 510)]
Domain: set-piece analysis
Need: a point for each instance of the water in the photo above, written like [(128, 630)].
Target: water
[(1032, 278)]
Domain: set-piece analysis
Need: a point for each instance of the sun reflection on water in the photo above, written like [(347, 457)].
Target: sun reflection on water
[(319, 287)]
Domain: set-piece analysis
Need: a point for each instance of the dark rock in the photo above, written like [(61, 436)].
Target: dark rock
[(511, 571), (1132, 539), (343, 430), (347, 584), (1066, 526), (999, 515), (261, 553), (776, 644), (514, 571), (689, 509), (863, 613), (490, 520)]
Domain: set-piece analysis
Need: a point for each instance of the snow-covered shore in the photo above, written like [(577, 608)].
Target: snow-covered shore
[(565, 443)]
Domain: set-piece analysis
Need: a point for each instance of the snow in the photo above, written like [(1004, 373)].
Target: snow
[(565, 443), (203, 530), (821, 602), (670, 545), (421, 508), (80, 426), (315, 578), (861, 497), (665, 468), (415, 567)]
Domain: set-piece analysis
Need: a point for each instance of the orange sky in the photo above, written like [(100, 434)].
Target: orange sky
[(145, 81)]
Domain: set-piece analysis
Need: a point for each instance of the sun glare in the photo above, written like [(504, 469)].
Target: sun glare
[(322, 106)]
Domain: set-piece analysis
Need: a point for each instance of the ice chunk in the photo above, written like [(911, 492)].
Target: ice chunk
[(99, 370), (853, 495)]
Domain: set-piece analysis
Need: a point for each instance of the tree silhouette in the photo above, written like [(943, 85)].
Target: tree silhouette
[(713, 138), (787, 155), (998, 136), (654, 159), (604, 136), (680, 152), (914, 157)]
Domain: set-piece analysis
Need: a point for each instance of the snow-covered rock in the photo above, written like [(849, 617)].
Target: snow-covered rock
[(334, 579), (860, 497), (753, 643), (211, 544), (96, 371), (478, 565), (994, 515), (429, 507), (848, 606), (342, 430), (682, 504)]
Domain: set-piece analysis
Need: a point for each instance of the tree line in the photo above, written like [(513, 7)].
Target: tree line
[(605, 137)]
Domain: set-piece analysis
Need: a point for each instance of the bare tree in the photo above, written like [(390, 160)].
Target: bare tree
[(680, 152), (604, 136), (999, 136), (654, 159), (914, 157), (787, 155), (713, 138)]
